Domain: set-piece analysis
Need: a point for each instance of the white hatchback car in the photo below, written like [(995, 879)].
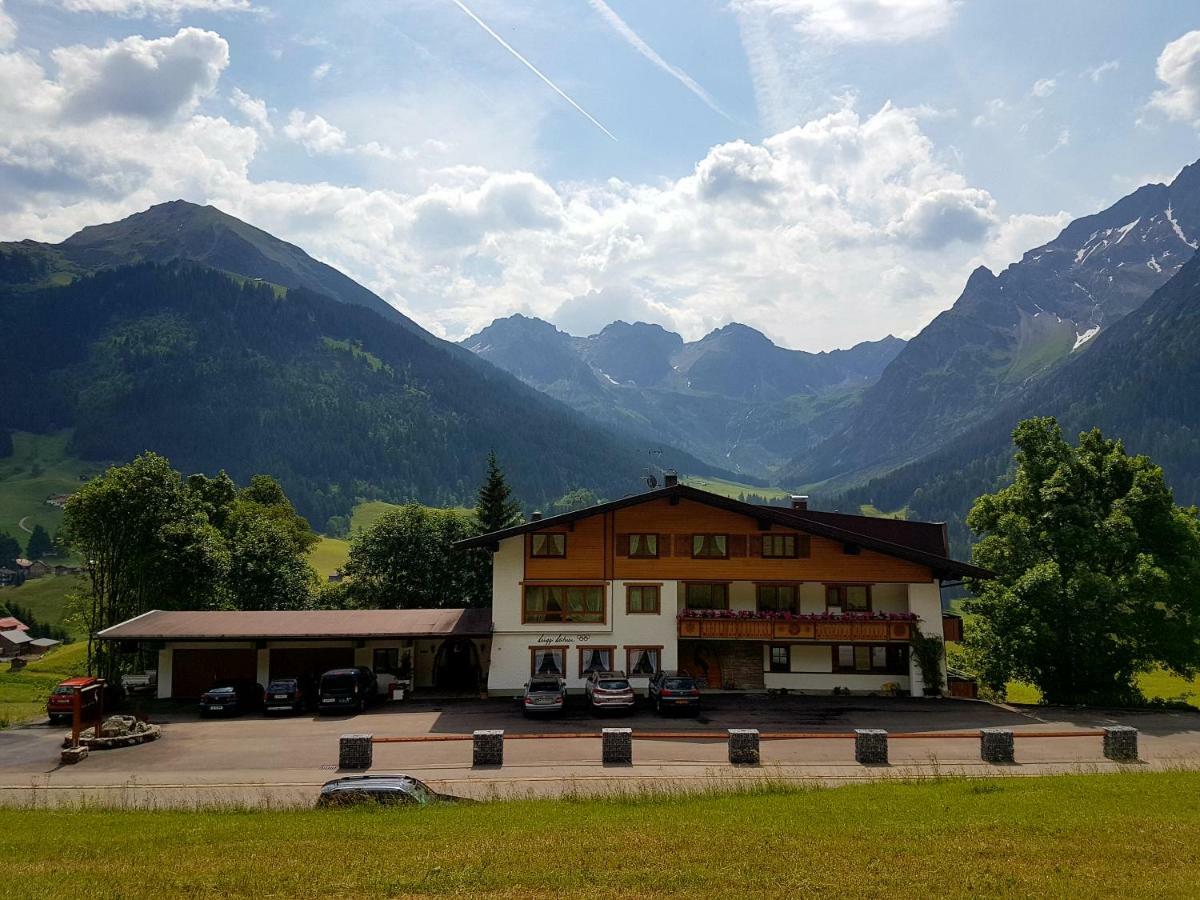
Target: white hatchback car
[(609, 690)]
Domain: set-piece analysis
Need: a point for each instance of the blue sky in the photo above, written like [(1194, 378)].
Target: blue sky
[(827, 171)]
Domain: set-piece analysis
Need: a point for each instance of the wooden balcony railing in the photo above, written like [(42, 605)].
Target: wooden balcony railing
[(831, 629)]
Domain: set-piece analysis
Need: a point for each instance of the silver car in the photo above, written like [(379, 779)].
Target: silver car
[(609, 690), (544, 695)]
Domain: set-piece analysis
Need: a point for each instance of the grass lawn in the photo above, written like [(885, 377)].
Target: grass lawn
[(368, 513), (23, 694), (45, 596), (328, 555), (1155, 685), (1118, 835), (867, 509), (732, 488), (39, 468)]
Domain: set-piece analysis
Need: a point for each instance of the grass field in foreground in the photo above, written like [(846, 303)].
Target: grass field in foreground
[(1158, 685), (23, 694), (1118, 835)]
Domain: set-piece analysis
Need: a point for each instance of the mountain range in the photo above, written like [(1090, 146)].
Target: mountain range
[(732, 398), (184, 331)]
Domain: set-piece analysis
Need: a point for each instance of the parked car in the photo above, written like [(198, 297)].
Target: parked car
[(381, 789), (674, 690), (609, 690), (233, 697), (544, 695), (344, 690), (58, 705), (286, 695)]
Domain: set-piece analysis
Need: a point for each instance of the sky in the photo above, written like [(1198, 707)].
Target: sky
[(827, 171)]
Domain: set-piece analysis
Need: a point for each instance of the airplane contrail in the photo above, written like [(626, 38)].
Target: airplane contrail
[(622, 28), (534, 69)]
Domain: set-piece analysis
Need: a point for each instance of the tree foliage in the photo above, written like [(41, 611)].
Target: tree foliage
[(405, 561), (155, 541), (1097, 571), (10, 549), (495, 507), (39, 543)]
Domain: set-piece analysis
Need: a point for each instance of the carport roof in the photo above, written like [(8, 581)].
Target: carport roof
[(207, 625)]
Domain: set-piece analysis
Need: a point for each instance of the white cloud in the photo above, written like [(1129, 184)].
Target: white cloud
[(862, 21), (1043, 87), (1179, 69), (1097, 73), (843, 228), (171, 10), (319, 73), (1018, 235), (993, 110), (253, 110), (1063, 140), (154, 80), (314, 133), (8, 28)]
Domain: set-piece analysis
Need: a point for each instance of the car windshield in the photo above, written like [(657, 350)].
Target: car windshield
[(678, 684), (614, 684), (64, 689), (288, 684), (340, 682)]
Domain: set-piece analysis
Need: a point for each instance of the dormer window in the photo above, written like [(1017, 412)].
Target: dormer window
[(550, 544)]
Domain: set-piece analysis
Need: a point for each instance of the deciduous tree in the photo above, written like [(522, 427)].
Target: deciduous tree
[(1097, 571)]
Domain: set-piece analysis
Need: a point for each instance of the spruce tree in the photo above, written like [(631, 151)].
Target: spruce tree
[(39, 543), (495, 508)]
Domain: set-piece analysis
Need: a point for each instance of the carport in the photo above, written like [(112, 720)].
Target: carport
[(430, 648)]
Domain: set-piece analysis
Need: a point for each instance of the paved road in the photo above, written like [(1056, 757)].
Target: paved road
[(252, 759)]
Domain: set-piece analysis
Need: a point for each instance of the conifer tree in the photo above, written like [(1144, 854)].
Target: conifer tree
[(496, 508)]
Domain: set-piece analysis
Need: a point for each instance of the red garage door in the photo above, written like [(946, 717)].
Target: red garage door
[(309, 663), (194, 671)]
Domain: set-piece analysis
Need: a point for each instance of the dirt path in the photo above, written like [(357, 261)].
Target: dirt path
[(25, 528)]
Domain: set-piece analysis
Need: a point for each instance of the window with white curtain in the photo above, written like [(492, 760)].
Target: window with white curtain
[(549, 661), (642, 660), (595, 659)]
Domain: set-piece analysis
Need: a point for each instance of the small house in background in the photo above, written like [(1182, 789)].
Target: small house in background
[(336, 577), (32, 568), (12, 623), (9, 576), (14, 642), (39, 646), (67, 570)]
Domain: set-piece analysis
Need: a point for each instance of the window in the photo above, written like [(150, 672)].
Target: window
[(564, 603), (779, 546), (595, 659), (777, 597), (643, 546), (548, 545), (890, 659), (781, 659), (548, 661), (642, 598), (710, 546), (642, 660), (702, 595), (848, 597)]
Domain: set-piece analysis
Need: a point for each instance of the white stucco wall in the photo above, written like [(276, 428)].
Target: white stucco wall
[(924, 599)]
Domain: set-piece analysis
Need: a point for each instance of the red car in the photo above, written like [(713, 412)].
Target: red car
[(58, 706)]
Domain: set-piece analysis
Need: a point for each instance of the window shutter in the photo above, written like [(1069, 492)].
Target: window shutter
[(756, 545), (683, 545), (803, 546), (664, 545), (622, 548), (737, 545)]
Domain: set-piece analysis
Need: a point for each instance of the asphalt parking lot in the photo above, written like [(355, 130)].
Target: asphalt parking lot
[(238, 754)]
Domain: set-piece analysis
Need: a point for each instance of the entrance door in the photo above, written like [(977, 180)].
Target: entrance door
[(194, 671), (456, 666)]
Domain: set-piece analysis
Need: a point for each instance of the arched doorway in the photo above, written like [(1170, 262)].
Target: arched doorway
[(456, 665)]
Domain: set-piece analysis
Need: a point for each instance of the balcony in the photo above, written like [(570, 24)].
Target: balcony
[(735, 625)]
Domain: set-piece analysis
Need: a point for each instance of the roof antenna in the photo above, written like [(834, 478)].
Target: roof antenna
[(648, 475)]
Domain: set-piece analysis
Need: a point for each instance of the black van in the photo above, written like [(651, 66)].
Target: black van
[(346, 690)]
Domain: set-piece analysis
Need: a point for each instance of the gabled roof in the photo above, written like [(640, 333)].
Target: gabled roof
[(919, 542), (10, 623), (310, 623), (15, 637)]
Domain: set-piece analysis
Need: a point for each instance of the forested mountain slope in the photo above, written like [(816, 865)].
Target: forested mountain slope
[(1138, 381), (1006, 331), (337, 402), (733, 398)]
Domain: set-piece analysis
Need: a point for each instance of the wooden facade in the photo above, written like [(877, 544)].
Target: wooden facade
[(597, 549)]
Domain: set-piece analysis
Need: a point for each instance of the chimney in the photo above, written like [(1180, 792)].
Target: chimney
[(536, 516), (799, 501), (670, 478)]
